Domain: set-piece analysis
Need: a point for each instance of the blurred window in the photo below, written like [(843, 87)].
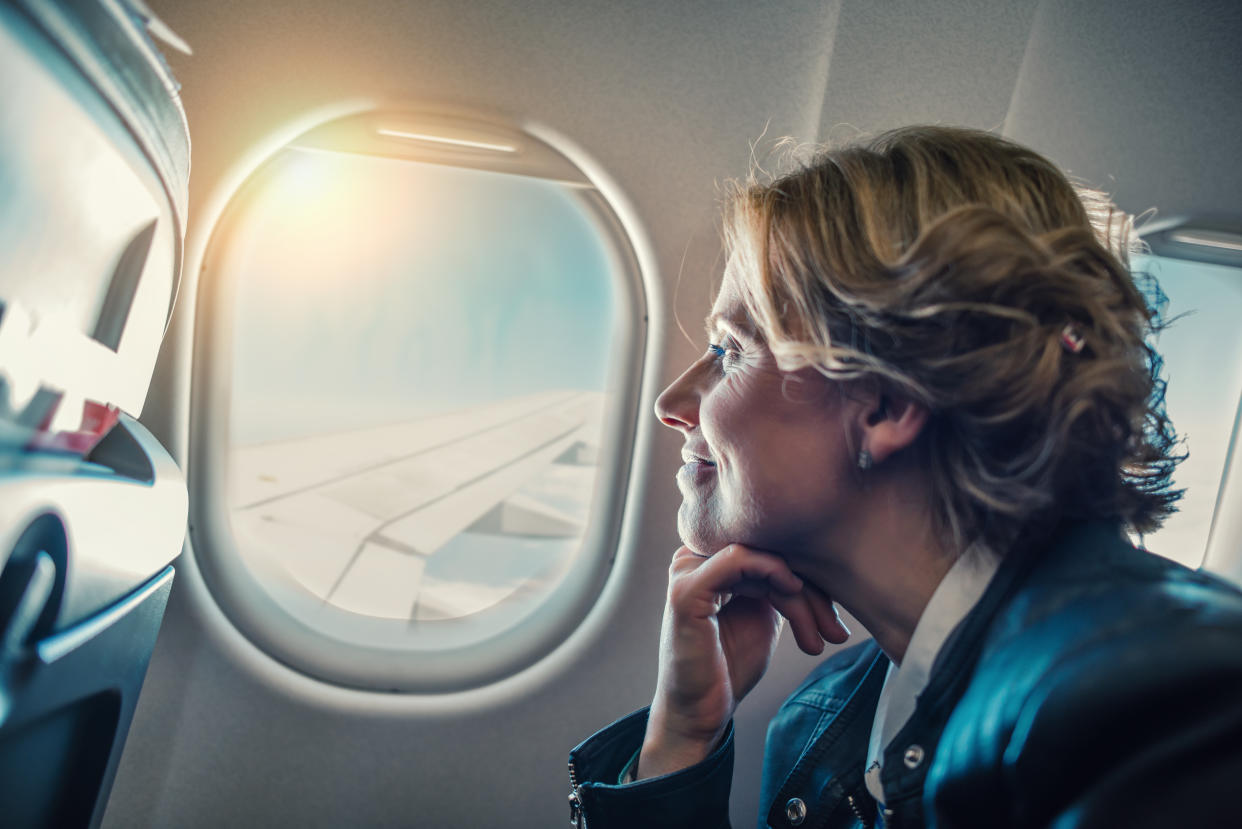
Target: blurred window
[(1202, 352)]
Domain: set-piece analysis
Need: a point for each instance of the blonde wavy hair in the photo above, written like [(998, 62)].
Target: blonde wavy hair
[(962, 270)]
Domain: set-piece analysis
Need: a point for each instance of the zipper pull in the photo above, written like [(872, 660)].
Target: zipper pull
[(576, 818), (856, 808), (575, 810)]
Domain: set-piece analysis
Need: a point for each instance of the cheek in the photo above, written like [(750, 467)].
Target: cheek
[(747, 441), (788, 459), (735, 432), (728, 412)]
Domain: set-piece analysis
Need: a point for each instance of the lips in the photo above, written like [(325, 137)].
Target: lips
[(689, 457), (696, 469)]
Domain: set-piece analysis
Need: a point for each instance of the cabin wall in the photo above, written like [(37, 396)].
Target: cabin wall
[(1140, 99)]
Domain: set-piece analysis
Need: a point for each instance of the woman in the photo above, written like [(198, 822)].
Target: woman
[(928, 398)]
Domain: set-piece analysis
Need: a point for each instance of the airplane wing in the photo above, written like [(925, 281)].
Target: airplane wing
[(372, 521)]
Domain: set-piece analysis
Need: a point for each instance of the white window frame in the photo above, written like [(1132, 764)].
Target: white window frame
[(246, 604)]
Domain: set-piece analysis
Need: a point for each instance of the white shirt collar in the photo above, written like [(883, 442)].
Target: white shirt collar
[(955, 596)]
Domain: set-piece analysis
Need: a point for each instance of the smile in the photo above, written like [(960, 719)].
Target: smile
[(696, 469), (690, 457)]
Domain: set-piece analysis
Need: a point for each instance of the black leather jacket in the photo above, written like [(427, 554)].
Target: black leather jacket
[(1092, 685)]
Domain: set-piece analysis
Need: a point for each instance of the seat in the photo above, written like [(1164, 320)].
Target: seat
[(93, 166)]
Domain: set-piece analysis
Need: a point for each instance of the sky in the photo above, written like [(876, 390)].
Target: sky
[(372, 290)]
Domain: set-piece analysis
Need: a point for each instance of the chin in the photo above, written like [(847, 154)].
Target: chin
[(697, 532), (704, 533)]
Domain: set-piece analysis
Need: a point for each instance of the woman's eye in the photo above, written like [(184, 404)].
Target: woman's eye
[(725, 354)]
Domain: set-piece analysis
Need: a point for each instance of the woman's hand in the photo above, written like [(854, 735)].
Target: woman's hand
[(722, 621)]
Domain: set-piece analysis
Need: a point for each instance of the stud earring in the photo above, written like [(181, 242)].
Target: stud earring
[(865, 461)]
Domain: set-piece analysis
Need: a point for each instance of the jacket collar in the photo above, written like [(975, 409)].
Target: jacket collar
[(909, 754)]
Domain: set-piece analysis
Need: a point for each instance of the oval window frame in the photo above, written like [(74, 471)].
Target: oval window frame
[(248, 606)]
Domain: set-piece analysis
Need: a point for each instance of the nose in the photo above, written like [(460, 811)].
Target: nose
[(678, 405)]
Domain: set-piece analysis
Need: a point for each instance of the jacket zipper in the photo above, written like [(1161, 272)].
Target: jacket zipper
[(576, 816), (857, 810)]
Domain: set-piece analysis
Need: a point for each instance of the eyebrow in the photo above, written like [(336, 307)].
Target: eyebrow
[(717, 321)]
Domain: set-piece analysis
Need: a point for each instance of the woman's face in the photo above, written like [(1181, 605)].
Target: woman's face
[(767, 461)]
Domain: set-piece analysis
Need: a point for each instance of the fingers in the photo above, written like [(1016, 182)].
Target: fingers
[(735, 564), (701, 585), (797, 611), (827, 618)]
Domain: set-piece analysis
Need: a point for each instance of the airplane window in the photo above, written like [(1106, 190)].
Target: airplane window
[(1202, 354), (422, 455)]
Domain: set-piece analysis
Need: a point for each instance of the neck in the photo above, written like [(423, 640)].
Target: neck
[(884, 568)]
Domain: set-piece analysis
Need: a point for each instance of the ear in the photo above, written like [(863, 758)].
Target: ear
[(890, 423)]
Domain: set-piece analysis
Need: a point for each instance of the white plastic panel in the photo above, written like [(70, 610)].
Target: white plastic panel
[(120, 528), (88, 243)]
